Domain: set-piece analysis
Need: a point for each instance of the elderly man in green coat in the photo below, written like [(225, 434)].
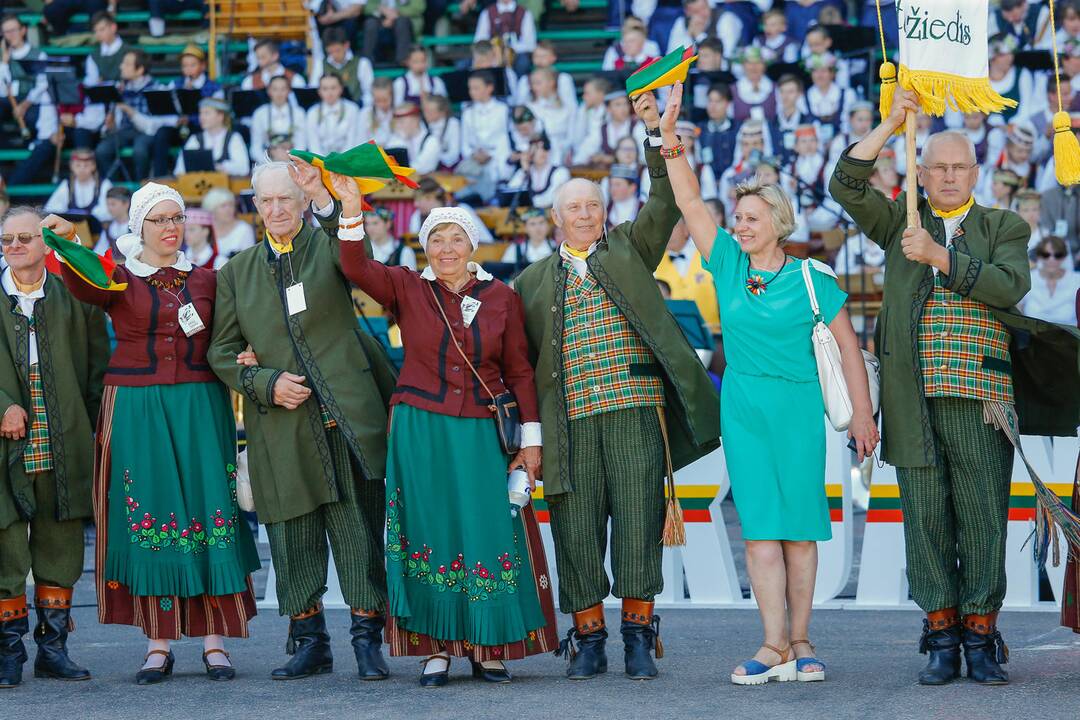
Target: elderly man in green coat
[(953, 358), (315, 416), (617, 382), (53, 354)]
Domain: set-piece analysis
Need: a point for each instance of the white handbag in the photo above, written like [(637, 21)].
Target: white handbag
[(834, 389), (244, 497)]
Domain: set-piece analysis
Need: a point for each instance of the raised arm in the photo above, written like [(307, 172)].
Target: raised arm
[(374, 278), (80, 288), (651, 230), (877, 216), (684, 183)]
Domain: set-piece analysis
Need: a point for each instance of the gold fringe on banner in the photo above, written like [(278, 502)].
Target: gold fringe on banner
[(940, 91)]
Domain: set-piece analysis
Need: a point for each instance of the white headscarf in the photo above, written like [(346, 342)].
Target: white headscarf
[(143, 201), (438, 216)]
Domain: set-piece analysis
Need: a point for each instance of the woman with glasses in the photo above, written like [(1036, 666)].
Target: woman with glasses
[(173, 554), (1054, 284)]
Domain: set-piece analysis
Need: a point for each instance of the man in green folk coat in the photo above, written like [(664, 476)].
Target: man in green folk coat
[(615, 375), (53, 354), (953, 354), (315, 415)]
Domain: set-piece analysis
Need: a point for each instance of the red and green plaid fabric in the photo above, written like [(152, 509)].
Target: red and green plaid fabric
[(605, 362), (37, 457), (963, 349)]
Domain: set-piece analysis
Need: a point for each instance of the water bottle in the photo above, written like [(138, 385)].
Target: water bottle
[(517, 483)]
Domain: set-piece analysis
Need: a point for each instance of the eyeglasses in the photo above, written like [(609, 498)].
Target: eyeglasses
[(939, 171), (1042, 253), (163, 221), (24, 238)]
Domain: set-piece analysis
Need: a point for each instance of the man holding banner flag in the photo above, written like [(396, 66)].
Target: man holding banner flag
[(963, 374)]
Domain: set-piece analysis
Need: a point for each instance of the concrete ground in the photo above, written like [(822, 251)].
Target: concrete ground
[(871, 656)]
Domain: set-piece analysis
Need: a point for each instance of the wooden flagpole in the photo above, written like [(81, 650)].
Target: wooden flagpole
[(912, 181)]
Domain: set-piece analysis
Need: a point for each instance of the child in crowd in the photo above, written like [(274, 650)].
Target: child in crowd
[(818, 42), (422, 149), (1028, 205), (537, 243), (379, 228), (860, 120), (199, 243), (333, 123), (511, 23), (826, 101), (598, 147), (355, 71), (278, 117), (632, 49), (589, 115), (84, 192), (417, 82), (776, 45), (624, 200), (486, 55), (545, 56), (539, 174), (554, 114), (885, 179), (752, 96), (805, 179), (442, 125), (375, 119), (717, 141), (790, 115), (226, 146), (485, 135), (118, 202)]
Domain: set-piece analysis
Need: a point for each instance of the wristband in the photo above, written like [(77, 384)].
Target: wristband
[(654, 132), (672, 153), (349, 223)]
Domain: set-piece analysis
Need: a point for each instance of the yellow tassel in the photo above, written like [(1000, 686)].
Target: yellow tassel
[(939, 91), (674, 528), (887, 75), (1066, 150)]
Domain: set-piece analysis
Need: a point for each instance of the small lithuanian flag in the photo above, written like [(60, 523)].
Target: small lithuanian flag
[(367, 164), (94, 269), (661, 72)]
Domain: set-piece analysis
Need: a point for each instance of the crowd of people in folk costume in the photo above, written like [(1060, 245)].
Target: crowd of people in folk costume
[(400, 471)]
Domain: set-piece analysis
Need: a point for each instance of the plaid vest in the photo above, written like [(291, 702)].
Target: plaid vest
[(37, 455), (606, 364), (963, 349)]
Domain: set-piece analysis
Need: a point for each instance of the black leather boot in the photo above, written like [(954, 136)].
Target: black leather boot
[(640, 631), (309, 645), (589, 658), (366, 633), (51, 634), (14, 623), (941, 639), (984, 650)]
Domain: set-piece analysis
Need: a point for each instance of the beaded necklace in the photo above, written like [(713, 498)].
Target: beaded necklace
[(756, 283)]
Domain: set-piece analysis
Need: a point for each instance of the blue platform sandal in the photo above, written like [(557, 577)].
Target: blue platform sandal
[(800, 663), (758, 673)]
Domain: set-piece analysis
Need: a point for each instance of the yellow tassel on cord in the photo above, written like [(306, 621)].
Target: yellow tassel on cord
[(1066, 150), (887, 75)]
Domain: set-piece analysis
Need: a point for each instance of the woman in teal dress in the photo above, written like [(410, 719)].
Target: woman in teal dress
[(771, 409)]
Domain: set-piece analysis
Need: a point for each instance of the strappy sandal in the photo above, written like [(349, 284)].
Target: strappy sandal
[(800, 663), (758, 673), (218, 672), (437, 679)]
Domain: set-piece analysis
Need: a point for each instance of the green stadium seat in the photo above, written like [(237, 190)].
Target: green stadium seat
[(236, 47), (44, 190), (133, 16)]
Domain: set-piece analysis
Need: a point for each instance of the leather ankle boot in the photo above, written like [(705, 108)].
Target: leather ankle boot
[(984, 650), (366, 630), (940, 638), (51, 634), (309, 645), (589, 658), (14, 623), (641, 636)]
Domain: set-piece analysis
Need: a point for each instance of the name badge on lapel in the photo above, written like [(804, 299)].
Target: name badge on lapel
[(294, 299), (189, 319), (469, 307)]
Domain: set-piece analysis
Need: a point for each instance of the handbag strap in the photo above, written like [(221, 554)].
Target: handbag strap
[(431, 286), (818, 317)]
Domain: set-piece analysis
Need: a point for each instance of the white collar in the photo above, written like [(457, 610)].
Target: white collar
[(198, 82), (112, 48), (506, 6), (141, 269), (348, 57), (8, 281), (22, 51), (687, 250), (481, 273)]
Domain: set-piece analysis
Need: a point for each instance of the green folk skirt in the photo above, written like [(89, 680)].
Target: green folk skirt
[(458, 565), (174, 525)]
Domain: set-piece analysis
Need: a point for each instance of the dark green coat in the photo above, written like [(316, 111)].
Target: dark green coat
[(292, 470), (989, 264), (73, 352), (623, 264)]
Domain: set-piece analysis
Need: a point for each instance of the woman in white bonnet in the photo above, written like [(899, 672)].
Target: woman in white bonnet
[(173, 554), (465, 576)]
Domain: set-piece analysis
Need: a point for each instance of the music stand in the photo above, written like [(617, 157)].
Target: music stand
[(306, 97), (457, 84), (104, 94), (245, 102), (198, 161), (400, 155)]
